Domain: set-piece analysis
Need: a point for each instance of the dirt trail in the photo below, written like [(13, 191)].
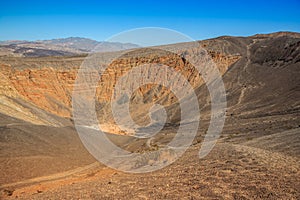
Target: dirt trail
[(244, 88), (52, 177)]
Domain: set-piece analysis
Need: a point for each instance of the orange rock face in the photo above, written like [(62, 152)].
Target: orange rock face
[(48, 82)]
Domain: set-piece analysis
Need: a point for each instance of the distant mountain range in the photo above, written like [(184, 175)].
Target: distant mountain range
[(59, 47)]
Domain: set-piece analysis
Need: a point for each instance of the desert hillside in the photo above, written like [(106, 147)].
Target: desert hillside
[(256, 157)]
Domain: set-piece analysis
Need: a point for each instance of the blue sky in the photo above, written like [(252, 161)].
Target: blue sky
[(34, 20)]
